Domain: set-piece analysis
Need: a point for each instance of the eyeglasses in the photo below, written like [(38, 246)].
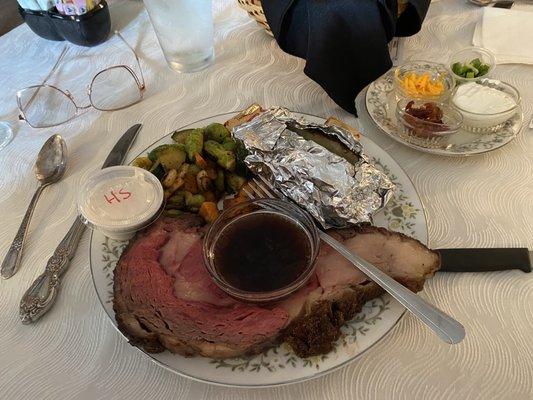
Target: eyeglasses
[(113, 88)]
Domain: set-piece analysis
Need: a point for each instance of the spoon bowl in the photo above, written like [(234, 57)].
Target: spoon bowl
[(51, 161)]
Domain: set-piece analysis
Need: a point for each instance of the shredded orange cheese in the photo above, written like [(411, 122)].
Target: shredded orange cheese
[(421, 85)]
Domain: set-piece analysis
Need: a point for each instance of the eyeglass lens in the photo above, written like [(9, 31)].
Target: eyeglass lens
[(46, 106), (114, 88)]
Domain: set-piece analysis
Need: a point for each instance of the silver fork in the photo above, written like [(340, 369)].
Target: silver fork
[(447, 328)]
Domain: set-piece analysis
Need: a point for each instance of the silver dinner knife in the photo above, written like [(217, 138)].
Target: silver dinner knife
[(41, 295)]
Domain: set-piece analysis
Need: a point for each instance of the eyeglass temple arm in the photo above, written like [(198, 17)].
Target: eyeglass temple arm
[(135, 54), (63, 52)]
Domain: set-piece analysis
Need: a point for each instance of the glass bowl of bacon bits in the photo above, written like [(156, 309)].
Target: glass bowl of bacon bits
[(427, 123)]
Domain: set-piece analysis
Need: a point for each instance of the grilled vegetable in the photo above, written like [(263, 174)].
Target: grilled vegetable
[(194, 143), (181, 136), (212, 173), (200, 161), (208, 211), (216, 132), (169, 178), (198, 168), (209, 196), (219, 181), (189, 184), (193, 169), (193, 201), (223, 157), (241, 197), (173, 213), (176, 201), (158, 170), (202, 181), (229, 144), (142, 162), (234, 182), (170, 156), (240, 154)]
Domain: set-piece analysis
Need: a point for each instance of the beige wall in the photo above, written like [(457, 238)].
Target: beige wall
[(9, 15)]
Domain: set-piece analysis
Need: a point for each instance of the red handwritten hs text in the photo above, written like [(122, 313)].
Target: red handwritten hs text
[(117, 198)]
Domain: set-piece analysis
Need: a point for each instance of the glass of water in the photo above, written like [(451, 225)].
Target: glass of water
[(184, 29)]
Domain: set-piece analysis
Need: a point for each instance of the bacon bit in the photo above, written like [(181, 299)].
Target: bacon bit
[(425, 120)]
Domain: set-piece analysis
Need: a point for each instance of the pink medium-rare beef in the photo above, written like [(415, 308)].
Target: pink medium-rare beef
[(153, 315), (164, 297)]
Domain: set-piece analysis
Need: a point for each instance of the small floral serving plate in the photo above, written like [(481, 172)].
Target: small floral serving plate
[(381, 102), (279, 366)]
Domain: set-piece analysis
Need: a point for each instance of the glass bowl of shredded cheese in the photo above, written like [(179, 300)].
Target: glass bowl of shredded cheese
[(423, 80)]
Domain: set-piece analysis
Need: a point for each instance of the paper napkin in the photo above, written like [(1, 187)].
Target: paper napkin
[(507, 33)]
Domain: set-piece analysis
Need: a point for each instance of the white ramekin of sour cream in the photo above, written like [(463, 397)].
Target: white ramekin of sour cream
[(119, 201), (486, 104)]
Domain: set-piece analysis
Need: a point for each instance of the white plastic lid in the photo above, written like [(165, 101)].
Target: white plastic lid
[(120, 199)]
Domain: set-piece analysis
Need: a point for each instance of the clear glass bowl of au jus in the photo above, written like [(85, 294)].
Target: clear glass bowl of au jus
[(423, 131), (261, 250), (463, 63), (437, 74)]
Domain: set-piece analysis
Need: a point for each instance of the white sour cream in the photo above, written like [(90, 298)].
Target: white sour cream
[(479, 99), (484, 109)]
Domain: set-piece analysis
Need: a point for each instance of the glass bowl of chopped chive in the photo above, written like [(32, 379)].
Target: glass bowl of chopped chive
[(472, 64)]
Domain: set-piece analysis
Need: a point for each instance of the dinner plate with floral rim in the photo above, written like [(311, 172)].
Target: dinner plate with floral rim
[(279, 365), (380, 101)]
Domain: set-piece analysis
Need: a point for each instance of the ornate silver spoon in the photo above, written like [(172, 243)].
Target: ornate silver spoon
[(49, 168)]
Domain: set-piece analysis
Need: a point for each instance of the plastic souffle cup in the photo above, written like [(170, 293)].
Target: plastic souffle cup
[(119, 201)]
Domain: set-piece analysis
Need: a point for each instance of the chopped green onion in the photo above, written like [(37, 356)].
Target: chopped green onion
[(472, 69)]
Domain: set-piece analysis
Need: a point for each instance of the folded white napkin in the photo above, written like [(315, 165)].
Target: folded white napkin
[(507, 33)]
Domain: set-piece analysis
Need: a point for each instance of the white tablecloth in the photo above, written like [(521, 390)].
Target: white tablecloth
[(75, 353)]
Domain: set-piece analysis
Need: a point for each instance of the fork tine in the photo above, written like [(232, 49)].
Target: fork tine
[(272, 188), (256, 190), (267, 192), (248, 193)]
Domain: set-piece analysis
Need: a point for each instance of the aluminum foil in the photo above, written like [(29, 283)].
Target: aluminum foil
[(334, 191)]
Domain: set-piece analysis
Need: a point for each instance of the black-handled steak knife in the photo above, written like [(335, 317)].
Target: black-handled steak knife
[(485, 260)]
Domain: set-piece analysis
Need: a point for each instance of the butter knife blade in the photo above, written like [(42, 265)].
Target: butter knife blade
[(41, 295)]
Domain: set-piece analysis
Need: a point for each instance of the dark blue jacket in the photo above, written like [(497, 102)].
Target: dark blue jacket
[(345, 42)]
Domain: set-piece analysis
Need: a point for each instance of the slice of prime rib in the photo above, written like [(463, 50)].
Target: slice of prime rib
[(165, 299)]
